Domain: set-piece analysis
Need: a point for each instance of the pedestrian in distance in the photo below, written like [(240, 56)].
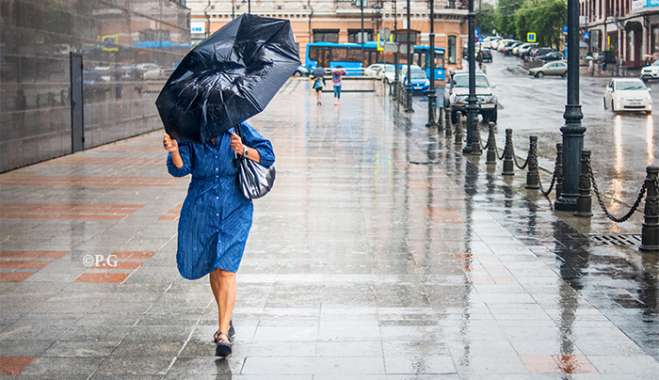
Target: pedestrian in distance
[(318, 78), (337, 75), (216, 217)]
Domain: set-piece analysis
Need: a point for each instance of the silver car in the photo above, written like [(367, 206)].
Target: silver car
[(557, 68)]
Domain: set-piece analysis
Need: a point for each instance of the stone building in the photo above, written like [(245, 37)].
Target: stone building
[(627, 30), (341, 20)]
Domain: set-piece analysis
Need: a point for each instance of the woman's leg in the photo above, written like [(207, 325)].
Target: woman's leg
[(227, 295), (215, 286)]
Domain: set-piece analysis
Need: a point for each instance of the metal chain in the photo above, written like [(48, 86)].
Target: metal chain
[(521, 167), (496, 151), (551, 185), (641, 195), (487, 145)]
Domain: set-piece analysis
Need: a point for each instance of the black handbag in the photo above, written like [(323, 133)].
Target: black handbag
[(254, 179)]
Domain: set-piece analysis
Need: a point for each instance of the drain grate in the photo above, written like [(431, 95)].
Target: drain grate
[(624, 240)]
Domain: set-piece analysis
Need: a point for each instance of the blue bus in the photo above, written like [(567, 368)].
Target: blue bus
[(354, 56)]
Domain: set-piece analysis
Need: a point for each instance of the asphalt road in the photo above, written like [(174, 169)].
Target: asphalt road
[(622, 145)]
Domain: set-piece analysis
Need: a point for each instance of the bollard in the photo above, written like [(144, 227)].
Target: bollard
[(558, 169), (447, 122), (440, 119), (508, 164), (491, 158), (650, 230), (584, 200), (458, 130), (532, 174)]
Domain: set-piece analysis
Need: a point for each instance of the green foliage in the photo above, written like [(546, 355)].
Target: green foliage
[(514, 18), (505, 16), (486, 18), (545, 17)]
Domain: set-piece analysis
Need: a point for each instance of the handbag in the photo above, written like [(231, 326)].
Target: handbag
[(254, 179)]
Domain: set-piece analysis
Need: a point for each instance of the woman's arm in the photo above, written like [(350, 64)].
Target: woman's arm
[(178, 159), (258, 147)]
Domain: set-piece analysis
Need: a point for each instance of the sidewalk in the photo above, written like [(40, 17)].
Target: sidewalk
[(382, 253)]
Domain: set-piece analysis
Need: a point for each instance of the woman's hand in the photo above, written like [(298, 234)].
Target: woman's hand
[(237, 144), (169, 144)]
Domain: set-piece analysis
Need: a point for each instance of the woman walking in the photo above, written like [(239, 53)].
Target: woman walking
[(318, 77), (337, 74), (216, 217)]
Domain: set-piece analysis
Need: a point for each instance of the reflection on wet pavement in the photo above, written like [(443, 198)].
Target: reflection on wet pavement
[(382, 252)]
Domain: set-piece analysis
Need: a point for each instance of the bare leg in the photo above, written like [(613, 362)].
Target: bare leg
[(215, 286), (227, 298)]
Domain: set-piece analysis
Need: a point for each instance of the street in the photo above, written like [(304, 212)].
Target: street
[(622, 145)]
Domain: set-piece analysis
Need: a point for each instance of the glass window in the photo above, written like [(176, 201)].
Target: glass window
[(313, 53), (463, 81), (451, 49), (353, 35), (326, 35), (655, 38)]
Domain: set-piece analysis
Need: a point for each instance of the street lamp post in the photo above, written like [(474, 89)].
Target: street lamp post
[(431, 56), (249, 6), (409, 46), (572, 131), (396, 56), (361, 32), (473, 145)]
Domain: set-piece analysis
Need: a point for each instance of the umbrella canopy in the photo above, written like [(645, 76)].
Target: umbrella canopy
[(228, 78)]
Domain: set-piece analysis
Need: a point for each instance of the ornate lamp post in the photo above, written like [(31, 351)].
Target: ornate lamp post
[(431, 55), (572, 131), (473, 139)]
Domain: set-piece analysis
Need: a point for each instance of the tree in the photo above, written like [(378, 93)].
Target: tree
[(486, 18), (505, 16), (544, 17)]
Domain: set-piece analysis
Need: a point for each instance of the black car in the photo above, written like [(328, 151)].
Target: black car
[(485, 56), (537, 52), (549, 57)]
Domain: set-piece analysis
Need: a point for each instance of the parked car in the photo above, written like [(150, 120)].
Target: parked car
[(627, 94), (389, 74), (503, 43), (650, 72), (455, 99), (301, 71), (374, 70), (418, 80), (485, 56), (549, 57), (537, 51), (507, 50), (490, 41), (558, 68), (150, 71), (524, 49)]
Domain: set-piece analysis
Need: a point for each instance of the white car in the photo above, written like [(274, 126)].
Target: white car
[(389, 74), (650, 72), (374, 70), (150, 71), (627, 94)]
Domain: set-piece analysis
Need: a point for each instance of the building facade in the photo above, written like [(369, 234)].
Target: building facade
[(627, 31), (341, 20), (79, 73)]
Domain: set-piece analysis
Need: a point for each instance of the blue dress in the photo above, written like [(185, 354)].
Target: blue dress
[(216, 217)]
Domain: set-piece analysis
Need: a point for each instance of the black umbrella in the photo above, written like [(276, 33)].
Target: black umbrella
[(228, 78)]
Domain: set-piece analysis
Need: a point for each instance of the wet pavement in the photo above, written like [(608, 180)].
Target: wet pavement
[(382, 253)]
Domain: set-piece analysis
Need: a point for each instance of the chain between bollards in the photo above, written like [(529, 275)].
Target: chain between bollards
[(608, 214)]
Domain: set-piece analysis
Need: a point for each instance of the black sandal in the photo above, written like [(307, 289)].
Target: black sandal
[(232, 333), (222, 346)]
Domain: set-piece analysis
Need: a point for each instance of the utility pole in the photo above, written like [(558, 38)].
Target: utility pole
[(409, 46), (473, 138), (431, 56), (396, 57), (249, 6), (572, 131)]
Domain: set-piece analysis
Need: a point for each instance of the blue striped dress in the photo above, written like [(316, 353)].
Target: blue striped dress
[(216, 217)]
